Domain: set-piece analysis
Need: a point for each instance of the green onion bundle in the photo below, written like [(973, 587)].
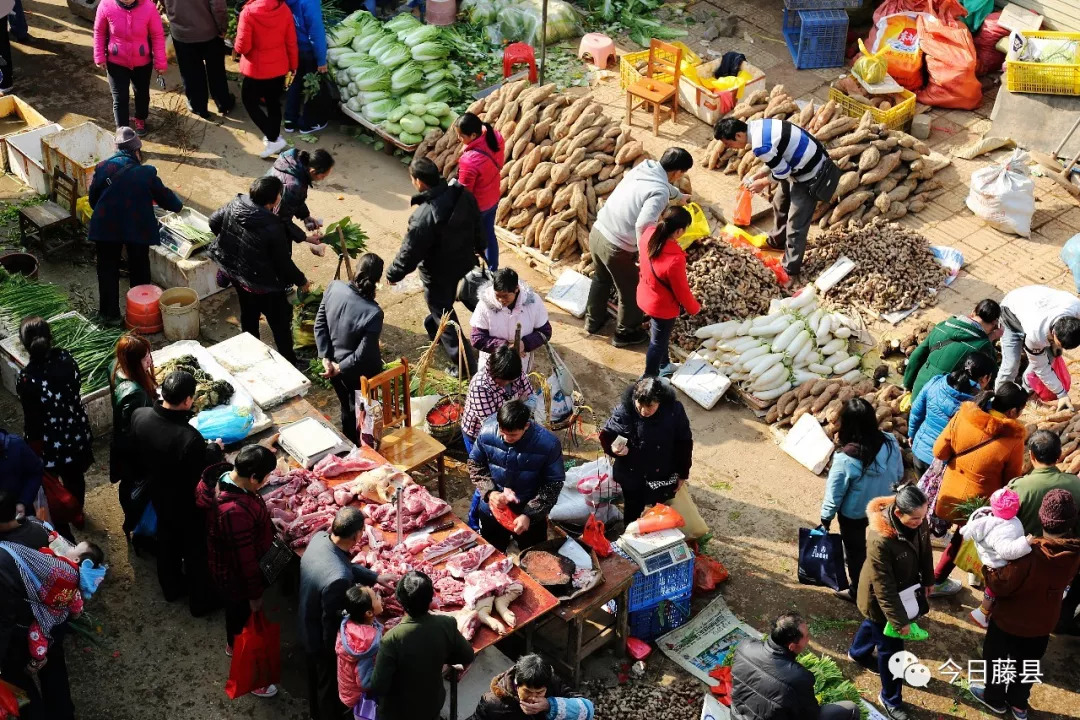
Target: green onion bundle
[(21, 297), (92, 348)]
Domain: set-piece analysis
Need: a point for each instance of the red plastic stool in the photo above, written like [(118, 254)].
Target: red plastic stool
[(519, 52)]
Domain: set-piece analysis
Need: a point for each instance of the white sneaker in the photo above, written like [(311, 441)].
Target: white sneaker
[(979, 618), (974, 580), (946, 588), (273, 148), (267, 692)]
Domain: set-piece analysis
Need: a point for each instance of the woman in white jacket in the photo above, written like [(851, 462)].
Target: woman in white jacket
[(999, 537), (505, 303)]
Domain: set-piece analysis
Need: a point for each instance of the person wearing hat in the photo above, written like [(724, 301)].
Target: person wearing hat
[(122, 195), (1027, 593)]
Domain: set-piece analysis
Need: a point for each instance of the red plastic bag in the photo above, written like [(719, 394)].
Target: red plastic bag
[(659, 517), (950, 65), (1060, 369), (63, 507), (722, 689), (594, 536), (744, 213), (988, 58), (256, 660), (708, 573)]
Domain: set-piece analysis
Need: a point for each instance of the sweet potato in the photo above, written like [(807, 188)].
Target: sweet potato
[(881, 169), (848, 205)]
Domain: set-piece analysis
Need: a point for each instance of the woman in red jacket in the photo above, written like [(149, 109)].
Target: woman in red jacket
[(478, 170), (266, 43), (662, 286)]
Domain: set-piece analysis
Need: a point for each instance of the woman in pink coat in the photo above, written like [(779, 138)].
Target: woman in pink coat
[(478, 171), (129, 43)]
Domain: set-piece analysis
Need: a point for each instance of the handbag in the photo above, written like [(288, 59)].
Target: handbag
[(275, 560), (821, 558), (825, 182), (468, 289)]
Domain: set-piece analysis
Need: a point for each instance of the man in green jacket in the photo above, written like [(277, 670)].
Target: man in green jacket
[(408, 669), (950, 342)]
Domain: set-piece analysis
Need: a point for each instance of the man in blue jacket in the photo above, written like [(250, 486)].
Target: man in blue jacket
[(310, 116), (517, 465), (20, 471)]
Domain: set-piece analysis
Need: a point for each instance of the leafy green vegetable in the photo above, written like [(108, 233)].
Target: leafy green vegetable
[(430, 51), (406, 76), (21, 297), (412, 124), (829, 683), (355, 237), (92, 349)]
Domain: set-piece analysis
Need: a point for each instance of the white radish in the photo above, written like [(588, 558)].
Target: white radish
[(813, 320), (770, 379), (852, 376), (744, 328), (835, 358), (823, 329), (801, 341), (752, 354), (819, 369), (842, 332), (847, 365), (714, 330), (709, 355), (762, 364), (775, 328), (762, 320), (729, 332), (783, 340), (834, 345), (802, 376), (776, 305), (806, 355), (774, 393), (744, 344), (803, 299)]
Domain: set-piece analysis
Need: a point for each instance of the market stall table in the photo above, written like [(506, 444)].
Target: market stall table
[(577, 615)]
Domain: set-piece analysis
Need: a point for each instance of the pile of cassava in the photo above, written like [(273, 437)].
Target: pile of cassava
[(1066, 425), (886, 173), (563, 158), (904, 346), (894, 267), (730, 283)]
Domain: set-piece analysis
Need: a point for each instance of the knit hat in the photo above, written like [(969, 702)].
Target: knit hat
[(126, 139), (1058, 512), (1005, 503)]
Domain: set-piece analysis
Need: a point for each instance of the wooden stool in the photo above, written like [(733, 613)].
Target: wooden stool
[(56, 212), (660, 84)]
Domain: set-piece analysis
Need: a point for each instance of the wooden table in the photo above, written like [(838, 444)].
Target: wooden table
[(576, 614)]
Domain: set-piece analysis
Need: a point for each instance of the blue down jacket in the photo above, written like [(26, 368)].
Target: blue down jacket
[(532, 467), (931, 411)]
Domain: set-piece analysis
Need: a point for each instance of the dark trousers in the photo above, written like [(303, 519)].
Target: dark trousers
[(853, 534), (793, 209), (74, 480), (920, 466), (313, 112), (53, 700), (871, 636), (108, 273), (656, 356), (323, 700), (947, 561), (7, 67), (258, 93), (345, 388), (440, 299), (500, 537), (999, 645), (492, 253), (275, 306), (181, 558), (139, 79), (237, 613), (20, 30), (202, 66), (612, 266)]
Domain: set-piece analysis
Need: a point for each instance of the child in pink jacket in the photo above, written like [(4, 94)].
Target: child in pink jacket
[(357, 643), (129, 42)]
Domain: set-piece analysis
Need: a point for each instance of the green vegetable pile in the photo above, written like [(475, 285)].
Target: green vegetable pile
[(396, 74), (355, 237), (506, 21), (92, 348), (21, 297), (830, 686), (305, 307), (208, 391), (633, 18)]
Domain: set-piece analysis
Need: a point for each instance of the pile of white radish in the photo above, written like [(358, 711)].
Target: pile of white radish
[(795, 343)]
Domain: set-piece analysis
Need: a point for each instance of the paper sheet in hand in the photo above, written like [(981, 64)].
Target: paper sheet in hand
[(571, 293), (909, 596), (701, 381)]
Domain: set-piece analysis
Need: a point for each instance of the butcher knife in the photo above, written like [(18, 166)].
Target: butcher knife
[(442, 557)]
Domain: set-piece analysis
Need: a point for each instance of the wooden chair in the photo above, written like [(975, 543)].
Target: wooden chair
[(56, 212), (660, 84), (406, 448)]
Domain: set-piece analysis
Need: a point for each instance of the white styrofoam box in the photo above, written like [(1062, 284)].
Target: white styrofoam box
[(703, 383), (24, 156), (571, 293), (169, 270), (13, 105), (267, 376), (706, 104), (9, 372), (77, 151), (808, 443)]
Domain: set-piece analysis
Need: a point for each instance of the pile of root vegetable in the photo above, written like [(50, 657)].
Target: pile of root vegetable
[(904, 346), (886, 173), (730, 282), (894, 267), (563, 157), (641, 700), (1066, 425)]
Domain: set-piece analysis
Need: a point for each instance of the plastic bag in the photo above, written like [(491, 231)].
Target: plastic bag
[(744, 212), (821, 558), (683, 503), (1060, 369), (1004, 195), (871, 67), (722, 689), (699, 226), (977, 11), (1070, 255), (658, 517), (228, 423), (594, 537), (950, 65), (897, 39), (967, 558), (63, 507), (256, 660), (708, 573), (988, 58)]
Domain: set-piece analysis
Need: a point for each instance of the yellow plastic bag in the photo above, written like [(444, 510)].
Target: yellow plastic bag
[(759, 241), (699, 226), (872, 68), (905, 402), (683, 503), (968, 559)]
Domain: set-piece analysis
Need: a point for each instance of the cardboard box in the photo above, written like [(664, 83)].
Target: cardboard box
[(1017, 18)]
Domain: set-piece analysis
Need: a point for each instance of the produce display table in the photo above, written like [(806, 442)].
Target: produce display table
[(578, 616)]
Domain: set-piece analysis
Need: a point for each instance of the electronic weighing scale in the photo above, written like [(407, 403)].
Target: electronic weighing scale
[(176, 241), (308, 441), (656, 551)]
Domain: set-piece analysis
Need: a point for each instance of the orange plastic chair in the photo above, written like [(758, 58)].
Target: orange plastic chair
[(660, 84)]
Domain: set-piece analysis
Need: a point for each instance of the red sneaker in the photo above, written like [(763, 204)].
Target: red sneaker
[(139, 126)]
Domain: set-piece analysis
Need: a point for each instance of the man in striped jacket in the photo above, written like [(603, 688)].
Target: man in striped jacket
[(794, 159)]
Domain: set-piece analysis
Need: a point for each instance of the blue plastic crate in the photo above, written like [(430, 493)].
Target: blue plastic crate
[(822, 4), (816, 38), (650, 623), (647, 590)]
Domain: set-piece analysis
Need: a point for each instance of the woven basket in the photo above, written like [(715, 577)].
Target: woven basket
[(450, 431)]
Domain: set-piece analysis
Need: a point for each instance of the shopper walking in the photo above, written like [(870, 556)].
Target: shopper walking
[(509, 310), (952, 340), (899, 563), (867, 465), (637, 202), (122, 195), (347, 331), (307, 116), (478, 170), (266, 42), (939, 400), (198, 30), (663, 290), (129, 42), (254, 253)]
